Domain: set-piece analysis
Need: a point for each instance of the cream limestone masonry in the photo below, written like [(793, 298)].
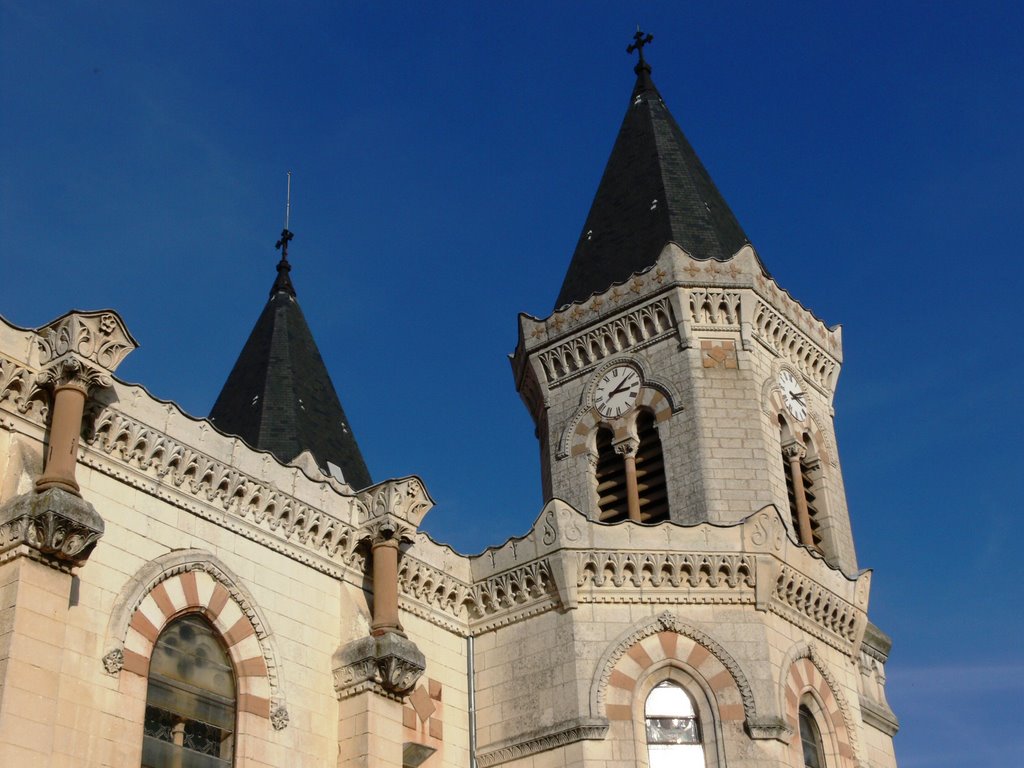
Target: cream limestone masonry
[(571, 623)]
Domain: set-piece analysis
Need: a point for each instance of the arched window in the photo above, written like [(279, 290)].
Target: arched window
[(650, 471), (618, 496), (810, 737), (800, 472), (611, 480), (673, 729), (190, 703)]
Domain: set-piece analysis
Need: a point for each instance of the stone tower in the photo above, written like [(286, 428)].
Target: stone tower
[(675, 379)]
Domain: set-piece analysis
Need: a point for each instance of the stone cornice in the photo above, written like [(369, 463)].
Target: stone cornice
[(552, 737), (564, 560), (684, 296)]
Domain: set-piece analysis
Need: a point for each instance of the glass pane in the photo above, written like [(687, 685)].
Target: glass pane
[(669, 700), (189, 652), (673, 730), (190, 704), (811, 739), (675, 756), (160, 754)]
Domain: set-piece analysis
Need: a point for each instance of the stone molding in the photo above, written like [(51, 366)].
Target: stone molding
[(666, 622), (782, 337), (635, 329), (172, 566), (714, 308), (879, 716), (735, 296), (529, 586), (552, 737), (616, 568), (817, 609), (53, 526)]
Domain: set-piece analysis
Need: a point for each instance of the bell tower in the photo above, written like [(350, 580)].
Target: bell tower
[(675, 379)]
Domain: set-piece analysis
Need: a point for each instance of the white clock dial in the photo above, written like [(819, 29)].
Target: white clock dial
[(616, 391), (793, 397)]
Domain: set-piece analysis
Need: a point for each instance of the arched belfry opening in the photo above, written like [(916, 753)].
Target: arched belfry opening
[(629, 473), (800, 468)]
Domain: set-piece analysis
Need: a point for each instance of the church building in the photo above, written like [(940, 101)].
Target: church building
[(237, 591)]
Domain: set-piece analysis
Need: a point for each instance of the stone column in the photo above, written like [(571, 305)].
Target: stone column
[(627, 449), (384, 553), (65, 427), (794, 452), (373, 674)]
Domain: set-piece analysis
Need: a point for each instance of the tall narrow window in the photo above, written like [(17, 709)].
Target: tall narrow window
[(611, 480), (810, 737), (190, 704), (802, 493), (650, 471), (673, 730)]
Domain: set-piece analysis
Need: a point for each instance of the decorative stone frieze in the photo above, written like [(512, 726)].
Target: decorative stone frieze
[(18, 387), (599, 569), (630, 331), (778, 334), (53, 525), (817, 609)]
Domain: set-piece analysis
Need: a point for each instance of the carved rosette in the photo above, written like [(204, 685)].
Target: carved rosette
[(60, 527)]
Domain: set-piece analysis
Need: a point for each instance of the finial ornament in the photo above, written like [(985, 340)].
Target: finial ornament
[(286, 234), (283, 282), (640, 39)]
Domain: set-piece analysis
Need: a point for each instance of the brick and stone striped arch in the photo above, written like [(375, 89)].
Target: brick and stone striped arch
[(579, 437), (809, 682), (194, 581), (667, 640)]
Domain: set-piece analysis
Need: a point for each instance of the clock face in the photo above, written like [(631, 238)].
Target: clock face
[(616, 391), (793, 396)]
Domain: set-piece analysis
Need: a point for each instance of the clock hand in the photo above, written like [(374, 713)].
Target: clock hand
[(622, 386)]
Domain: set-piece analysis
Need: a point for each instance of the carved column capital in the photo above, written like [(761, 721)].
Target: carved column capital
[(626, 447), (97, 342), (793, 450), (70, 371)]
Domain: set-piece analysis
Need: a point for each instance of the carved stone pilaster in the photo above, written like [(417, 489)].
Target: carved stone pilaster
[(389, 664), (54, 525)]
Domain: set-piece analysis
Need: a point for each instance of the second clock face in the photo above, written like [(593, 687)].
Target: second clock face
[(792, 395), (616, 391)]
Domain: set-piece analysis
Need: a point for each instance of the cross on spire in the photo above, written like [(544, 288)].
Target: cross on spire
[(283, 282), (639, 41), (282, 244)]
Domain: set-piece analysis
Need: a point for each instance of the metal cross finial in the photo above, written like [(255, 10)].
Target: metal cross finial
[(286, 235), (639, 41)]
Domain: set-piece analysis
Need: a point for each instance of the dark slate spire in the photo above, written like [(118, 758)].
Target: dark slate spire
[(654, 190), (279, 396)]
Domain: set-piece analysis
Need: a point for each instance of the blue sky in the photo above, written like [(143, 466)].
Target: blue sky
[(444, 158)]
